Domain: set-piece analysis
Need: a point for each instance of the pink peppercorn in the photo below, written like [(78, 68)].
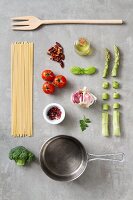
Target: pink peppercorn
[(54, 113)]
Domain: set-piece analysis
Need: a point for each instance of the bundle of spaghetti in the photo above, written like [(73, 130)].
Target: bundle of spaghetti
[(21, 87)]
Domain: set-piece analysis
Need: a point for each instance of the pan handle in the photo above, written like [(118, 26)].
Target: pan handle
[(119, 157)]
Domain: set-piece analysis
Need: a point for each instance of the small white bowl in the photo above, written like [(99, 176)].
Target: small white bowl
[(55, 121)]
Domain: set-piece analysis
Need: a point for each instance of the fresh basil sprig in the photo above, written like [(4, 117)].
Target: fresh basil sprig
[(79, 71), (84, 123)]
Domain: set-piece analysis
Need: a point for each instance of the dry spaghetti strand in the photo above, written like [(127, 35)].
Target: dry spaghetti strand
[(22, 55)]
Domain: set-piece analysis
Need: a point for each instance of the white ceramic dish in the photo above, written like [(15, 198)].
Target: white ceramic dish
[(56, 121)]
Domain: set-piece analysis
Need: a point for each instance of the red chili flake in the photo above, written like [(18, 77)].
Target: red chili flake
[(56, 54), (54, 113), (59, 45)]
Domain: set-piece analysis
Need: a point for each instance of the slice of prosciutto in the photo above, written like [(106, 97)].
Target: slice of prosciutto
[(83, 97)]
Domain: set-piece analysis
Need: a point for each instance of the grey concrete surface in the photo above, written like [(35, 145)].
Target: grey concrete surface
[(101, 180)]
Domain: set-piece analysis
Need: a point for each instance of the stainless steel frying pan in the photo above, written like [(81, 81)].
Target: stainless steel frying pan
[(64, 158)]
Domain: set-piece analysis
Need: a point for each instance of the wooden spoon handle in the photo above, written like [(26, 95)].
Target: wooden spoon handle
[(84, 21)]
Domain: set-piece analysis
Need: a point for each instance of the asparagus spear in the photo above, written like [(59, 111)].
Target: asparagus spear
[(105, 85), (105, 124), (105, 96), (116, 95), (107, 61), (116, 61), (116, 106), (116, 123), (115, 85), (105, 106)]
